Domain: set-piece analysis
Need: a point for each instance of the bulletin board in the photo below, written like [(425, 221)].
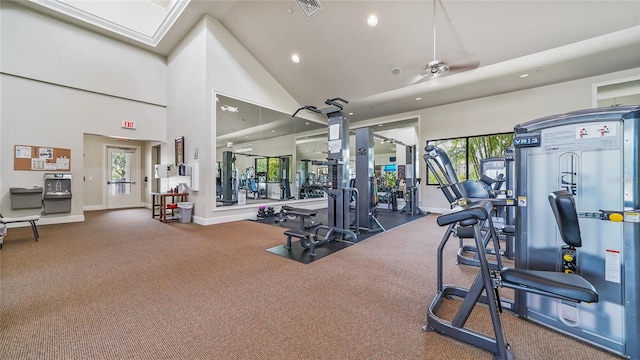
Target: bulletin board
[(41, 158)]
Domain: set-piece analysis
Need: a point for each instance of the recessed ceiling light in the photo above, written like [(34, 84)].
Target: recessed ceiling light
[(350, 113), (372, 20), (273, 131), (418, 98), (295, 58), (379, 124), (524, 75), (396, 71), (229, 108), (306, 123)]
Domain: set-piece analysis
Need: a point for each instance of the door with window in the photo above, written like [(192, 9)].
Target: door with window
[(123, 189)]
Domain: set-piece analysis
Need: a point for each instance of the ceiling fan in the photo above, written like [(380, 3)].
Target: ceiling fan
[(437, 67)]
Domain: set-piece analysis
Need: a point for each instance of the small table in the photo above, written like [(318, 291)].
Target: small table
[(160, 201)]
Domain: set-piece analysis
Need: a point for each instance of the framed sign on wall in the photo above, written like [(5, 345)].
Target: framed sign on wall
[(180, 150)]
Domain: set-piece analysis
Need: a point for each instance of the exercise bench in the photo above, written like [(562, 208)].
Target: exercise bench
[(491, 275), (30, 219), (303, 214), (321, 235)]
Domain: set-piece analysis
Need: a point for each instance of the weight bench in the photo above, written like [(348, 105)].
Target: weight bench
[(322, 235), (30, 219), (303, 214), (568, 287)]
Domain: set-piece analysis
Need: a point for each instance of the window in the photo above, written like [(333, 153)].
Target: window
[(465, 153), (273, 175)]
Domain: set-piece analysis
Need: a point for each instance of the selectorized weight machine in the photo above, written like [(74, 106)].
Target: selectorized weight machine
[(365, 180), (594, 155), (339, 194)]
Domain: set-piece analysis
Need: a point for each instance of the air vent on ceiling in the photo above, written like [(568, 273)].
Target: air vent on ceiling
[(310, 8)]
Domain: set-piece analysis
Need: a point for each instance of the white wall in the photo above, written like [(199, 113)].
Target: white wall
[(59, 82), (40, 47), (208, 61)]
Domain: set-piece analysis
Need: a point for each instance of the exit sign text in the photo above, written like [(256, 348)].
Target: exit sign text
[(129, 124)]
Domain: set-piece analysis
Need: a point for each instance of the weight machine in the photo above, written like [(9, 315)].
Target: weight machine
[(339, 194), (594, 155), (228, 178), (412, 183), (459, 193), (365, 180)]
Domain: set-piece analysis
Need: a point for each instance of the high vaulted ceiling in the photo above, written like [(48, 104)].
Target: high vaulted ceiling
[(341, 56)]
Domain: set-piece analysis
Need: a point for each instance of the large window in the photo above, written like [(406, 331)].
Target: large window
[(465, 153)]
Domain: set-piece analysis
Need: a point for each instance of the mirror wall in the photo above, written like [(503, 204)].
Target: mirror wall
[(256, 152), (265, 155)]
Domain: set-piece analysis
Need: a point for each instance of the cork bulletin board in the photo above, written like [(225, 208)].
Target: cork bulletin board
[(41, 158)]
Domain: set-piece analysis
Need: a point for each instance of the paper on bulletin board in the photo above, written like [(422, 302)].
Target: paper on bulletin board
[(38, 164), (62, 164), (23, 152), (45, 153)]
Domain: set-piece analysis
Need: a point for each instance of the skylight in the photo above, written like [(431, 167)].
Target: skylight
[(146, 21)]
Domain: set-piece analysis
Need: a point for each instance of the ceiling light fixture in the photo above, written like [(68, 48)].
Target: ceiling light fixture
[(229, 108), (418, 98), (372, 20), (524, 75), (351, 114), (295, 58)]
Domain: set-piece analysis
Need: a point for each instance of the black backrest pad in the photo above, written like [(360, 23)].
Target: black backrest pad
[(564, 209)]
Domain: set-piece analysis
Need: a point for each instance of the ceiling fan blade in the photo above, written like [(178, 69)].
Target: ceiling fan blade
[(464, 66)]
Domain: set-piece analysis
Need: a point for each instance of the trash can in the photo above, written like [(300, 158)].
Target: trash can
[(185, 210)]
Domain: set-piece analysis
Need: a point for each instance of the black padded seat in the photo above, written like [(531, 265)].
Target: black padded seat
[(509, 229), (473, 211), (299, 211), (555, 283)]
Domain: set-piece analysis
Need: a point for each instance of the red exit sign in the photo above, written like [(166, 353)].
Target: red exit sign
[(129, 124)]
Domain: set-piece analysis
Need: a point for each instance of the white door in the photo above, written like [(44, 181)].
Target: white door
[(123, 189)]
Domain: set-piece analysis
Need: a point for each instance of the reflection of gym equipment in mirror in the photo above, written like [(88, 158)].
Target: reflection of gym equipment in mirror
[(238, 182), (251, 131), (311, 184), (390, 192)]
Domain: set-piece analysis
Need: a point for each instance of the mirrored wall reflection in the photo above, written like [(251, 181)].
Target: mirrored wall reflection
[(256, 152), (265, 155)]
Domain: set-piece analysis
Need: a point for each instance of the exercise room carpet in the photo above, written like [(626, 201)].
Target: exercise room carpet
[(123, 286), (388, 220)]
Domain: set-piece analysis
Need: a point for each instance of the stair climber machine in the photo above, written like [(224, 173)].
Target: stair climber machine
[(339, 194), (459, 193), (592, 154)]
